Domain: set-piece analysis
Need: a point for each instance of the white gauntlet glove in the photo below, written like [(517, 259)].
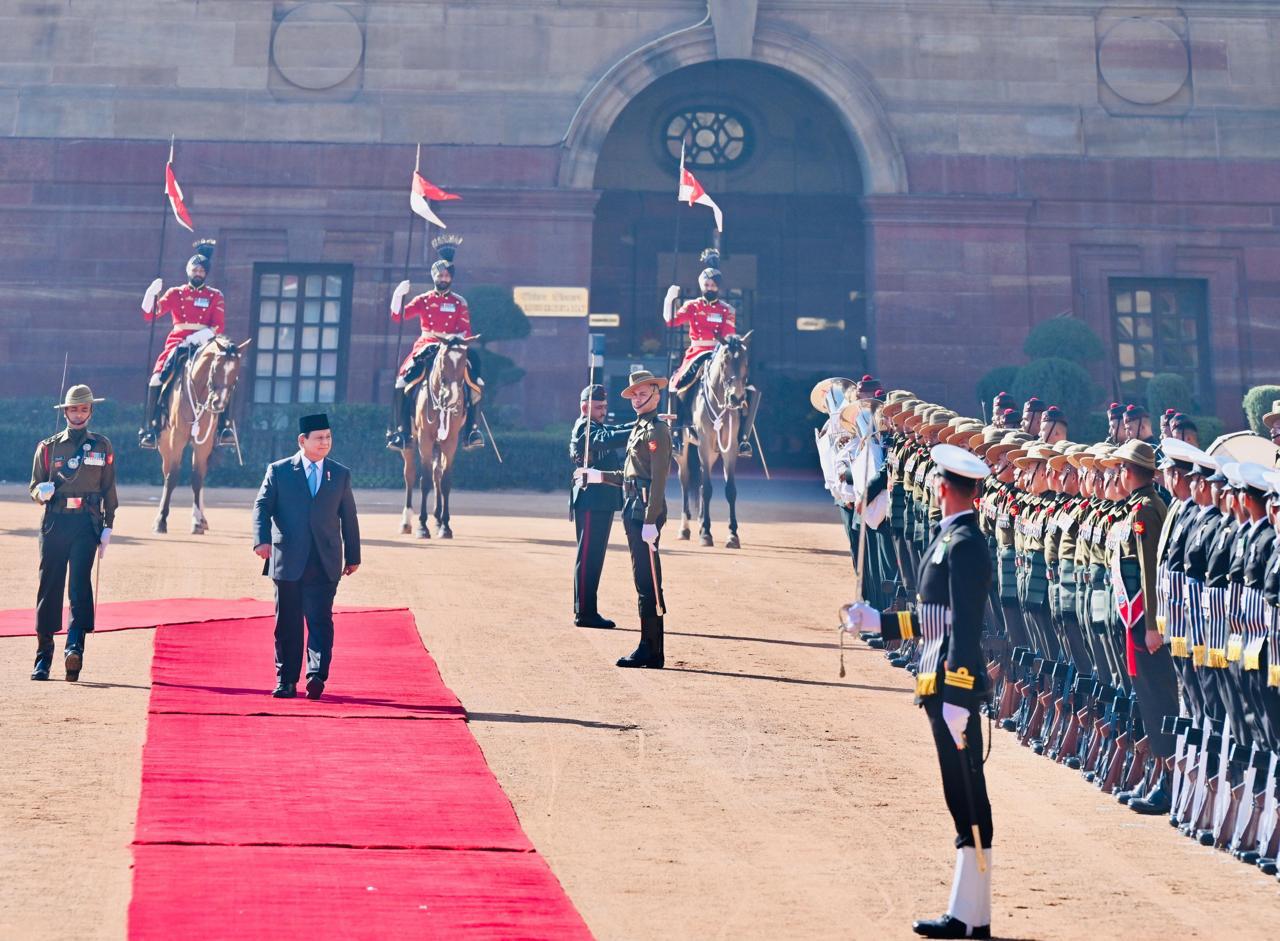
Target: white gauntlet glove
[(669, 303), (397, 299), (590, 475), (860, 618), (649, 533), (153, 291), (44, 491), (956, 717), (103, 541)]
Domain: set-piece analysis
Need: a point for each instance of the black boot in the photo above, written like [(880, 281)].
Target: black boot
[(44, 657), (73, 661), (471, 437), (398, 440), (151, 415), (649, 653)]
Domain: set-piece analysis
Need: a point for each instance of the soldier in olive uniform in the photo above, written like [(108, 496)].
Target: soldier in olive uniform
[(644, 481), (593, 448), (1135, 570), (73, 476)]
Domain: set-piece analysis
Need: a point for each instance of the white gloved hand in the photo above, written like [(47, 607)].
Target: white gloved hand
[(591, 475), (44, 491), (956, 717), (649, 533), (669, 302), (397, 299), (149, 298), (860, 618), (103, 541)]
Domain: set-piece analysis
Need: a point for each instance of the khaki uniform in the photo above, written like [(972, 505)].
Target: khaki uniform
[(81, 466)]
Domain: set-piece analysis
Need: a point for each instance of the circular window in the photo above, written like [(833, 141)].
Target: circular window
[(711, 138)]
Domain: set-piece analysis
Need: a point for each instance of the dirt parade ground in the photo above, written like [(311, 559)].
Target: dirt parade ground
[(744, 792)]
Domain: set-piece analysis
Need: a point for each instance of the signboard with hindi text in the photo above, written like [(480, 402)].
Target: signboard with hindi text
[(552, 302)]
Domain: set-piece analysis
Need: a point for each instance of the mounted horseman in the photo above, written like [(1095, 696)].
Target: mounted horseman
[(710, 320), (199, 314), (443, 314)]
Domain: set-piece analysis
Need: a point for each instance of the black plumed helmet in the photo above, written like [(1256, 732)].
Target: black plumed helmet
[(711, 258), (204, 253)]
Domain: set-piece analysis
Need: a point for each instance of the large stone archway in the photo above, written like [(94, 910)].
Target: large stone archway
[(850, 92)]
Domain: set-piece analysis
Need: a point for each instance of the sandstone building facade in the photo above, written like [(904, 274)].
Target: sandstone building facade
[(923, 178)]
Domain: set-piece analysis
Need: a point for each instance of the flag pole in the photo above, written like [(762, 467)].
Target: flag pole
[(408, 255), (164, 227), (675, 274)]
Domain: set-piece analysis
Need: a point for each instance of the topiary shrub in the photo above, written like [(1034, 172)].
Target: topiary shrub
[(1257, 402), (993, 383), (1058, 382), (1208, 427), (1064, 337), (1168, 390)]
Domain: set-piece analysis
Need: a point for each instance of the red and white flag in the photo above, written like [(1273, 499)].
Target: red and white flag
[(423, 190), (691, 192), (174, 192)]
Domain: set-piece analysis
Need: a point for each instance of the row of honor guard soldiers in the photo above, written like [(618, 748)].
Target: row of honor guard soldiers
[(1131, 626)]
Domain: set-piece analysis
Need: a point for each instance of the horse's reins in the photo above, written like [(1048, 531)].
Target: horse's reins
[(198, 411), (445, 415), (723, 443)]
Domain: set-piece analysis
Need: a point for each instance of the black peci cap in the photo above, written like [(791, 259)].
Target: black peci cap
[(310, 423)]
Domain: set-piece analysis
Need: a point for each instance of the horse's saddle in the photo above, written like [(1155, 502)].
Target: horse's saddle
[(693, 372), (175, 368)]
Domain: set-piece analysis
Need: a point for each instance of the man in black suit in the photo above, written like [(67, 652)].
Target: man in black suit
[(594, 449), (305, 526), (954, 575)]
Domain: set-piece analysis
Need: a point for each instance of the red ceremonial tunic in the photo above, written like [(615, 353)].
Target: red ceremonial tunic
[(440, 314), (708, 322), (191, 309)]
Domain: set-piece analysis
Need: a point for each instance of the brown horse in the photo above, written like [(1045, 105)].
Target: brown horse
[(200, 394), (439, 416), (719, 398)]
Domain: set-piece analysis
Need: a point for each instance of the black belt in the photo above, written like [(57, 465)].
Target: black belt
[(636, 487)]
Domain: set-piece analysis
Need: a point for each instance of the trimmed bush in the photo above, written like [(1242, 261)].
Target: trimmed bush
[(1064, 337), (1257, 402), (993, 383), (1208, 427), (1168, 390), (534, 460), (1058, 382)]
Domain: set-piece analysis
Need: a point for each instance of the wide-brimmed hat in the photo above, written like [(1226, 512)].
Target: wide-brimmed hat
[(1034, 455), (1272, 416), (1063, 457), (835, 387), (78, 395), (642, 377), (1138, 453), (1086, 458), (960, 433)]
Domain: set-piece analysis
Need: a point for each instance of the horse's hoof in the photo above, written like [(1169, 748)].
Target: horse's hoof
[(406, 529), (423, 533), (160, 527), (705, 539), (445, 533), (732, 542), (685, 534), (197, 531)]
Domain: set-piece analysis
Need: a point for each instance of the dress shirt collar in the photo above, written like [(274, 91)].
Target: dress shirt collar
[(953, 519)]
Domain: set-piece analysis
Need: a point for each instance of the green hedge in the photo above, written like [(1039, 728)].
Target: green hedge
[(534, 460), (1257, 402)]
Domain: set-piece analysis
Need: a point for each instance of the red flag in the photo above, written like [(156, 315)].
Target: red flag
[(691, 191), (423, 190), (174, 192)]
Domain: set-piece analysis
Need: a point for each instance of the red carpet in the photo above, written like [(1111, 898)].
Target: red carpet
[(224, 668), (303, 781), (129, 615), (215, 892), (342, 818)]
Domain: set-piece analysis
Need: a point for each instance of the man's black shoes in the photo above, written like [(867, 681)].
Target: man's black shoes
[(285, 690), (592, 620), (73, 661), (315, 686), (948, 927)]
